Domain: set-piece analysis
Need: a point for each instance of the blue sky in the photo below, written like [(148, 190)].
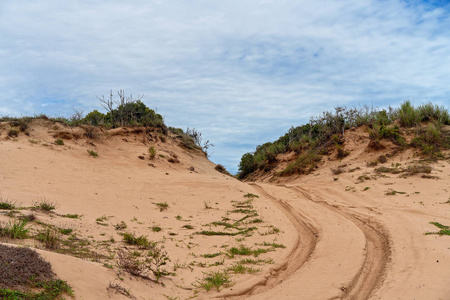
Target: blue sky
[(241, 72)]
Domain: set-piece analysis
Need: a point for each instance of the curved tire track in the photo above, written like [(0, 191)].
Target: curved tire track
[(305, 243), (371, 274)]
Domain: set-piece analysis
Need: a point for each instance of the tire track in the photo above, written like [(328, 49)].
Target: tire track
[(378, 252), (305, 244)]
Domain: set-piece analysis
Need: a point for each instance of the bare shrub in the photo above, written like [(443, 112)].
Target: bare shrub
[(19, 265)]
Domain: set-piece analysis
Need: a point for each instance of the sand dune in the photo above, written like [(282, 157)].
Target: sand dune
[(343, 237)]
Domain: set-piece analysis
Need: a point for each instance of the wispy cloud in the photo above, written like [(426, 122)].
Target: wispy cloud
[(242, 72)]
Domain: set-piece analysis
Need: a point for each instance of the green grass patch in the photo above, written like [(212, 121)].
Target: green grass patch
[(214, 280), (250, 195), (242, 269), (246, 251), (141, 241), (392, 192), (156, 228), (71, 216), (211, 255), (92, 153), (161, 205), (444, 229), (44, 205), (211, 233), (257, 261), (15, 229)]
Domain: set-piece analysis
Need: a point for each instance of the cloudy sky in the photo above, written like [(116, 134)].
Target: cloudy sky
[(241, 72)]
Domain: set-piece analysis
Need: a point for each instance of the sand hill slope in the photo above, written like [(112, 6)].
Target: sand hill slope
[(343, 232)]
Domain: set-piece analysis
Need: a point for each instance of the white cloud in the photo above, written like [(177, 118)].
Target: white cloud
[(242, 72)]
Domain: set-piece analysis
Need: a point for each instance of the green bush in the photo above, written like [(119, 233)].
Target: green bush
[(408, 115), (94, 118), (304, 164), (430, 112)]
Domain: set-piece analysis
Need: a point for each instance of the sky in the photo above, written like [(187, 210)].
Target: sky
[(240, 72)]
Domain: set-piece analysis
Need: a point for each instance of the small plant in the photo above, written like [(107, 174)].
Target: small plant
[(65, 231), (119, 289), (71, 216), (15, 229), (250, 195), (44, 205), (59, 142), (244, 250), (212, 255), (222, 169), (188, 226), (29, 217), (92, 153), (13, 132), (142, 242), (50, 238), (242, 269), (152, 152), (162, 206), (100, 220), (217, 280), (392, 192), (254, 261), (445, 230), (173, 160), (153, 262), (7, 204), (156, 228), (121, 226)]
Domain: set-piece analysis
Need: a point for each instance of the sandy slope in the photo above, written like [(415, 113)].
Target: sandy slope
[(343, 241)]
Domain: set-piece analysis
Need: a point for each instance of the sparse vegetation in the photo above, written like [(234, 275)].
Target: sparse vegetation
[(59, 142), (13, 132), (162, 205), (152, 152), (71, 216), (140, 241), (216, 280), (444, 230), (311, 141), (92, 153), (222, 169), (50, 238), (392, 192), (25, 275), (242, 269), (156, 228), (121, 226), (15, 229), (153, 262), (44, 205), (7, 204)]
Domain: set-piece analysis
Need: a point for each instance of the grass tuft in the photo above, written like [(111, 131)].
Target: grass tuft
[(216, 280)]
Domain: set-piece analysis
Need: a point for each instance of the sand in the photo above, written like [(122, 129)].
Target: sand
[(344, 238)]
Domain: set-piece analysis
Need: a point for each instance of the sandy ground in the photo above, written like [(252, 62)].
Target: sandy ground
[(344, 237)]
